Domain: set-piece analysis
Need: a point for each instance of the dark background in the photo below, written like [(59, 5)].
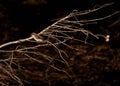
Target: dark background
[(99, 65), (19, 18)]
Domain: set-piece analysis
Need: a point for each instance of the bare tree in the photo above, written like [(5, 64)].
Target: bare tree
[(61, 33)]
